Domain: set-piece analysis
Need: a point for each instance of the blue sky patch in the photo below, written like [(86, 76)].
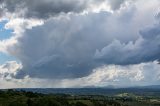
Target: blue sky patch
[(4, 58), (4, 33)]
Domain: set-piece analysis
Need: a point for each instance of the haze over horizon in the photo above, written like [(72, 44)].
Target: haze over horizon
[(79, 43)]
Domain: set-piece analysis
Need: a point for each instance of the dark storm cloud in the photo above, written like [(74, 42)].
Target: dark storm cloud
[(47, 8), (73, 48), (145, 49), (56, 50), (43, 8)]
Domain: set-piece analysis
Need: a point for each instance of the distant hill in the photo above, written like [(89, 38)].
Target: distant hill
[(145, 90), (151, 87)]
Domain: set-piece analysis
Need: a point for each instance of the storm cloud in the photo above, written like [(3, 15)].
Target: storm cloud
[(74, 45), (71, 47)]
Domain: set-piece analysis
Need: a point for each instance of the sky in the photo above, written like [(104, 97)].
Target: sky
[(5, 34), (79, 43)]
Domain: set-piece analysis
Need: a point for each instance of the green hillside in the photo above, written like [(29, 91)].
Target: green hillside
[(23, 98)]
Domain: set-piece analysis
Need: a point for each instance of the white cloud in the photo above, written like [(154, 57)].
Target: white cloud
[(19, 25), (9, 70), (6, 44), (117, 76)]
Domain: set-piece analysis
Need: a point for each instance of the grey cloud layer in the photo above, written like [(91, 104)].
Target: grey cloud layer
[(48, 8), (43, 8)]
